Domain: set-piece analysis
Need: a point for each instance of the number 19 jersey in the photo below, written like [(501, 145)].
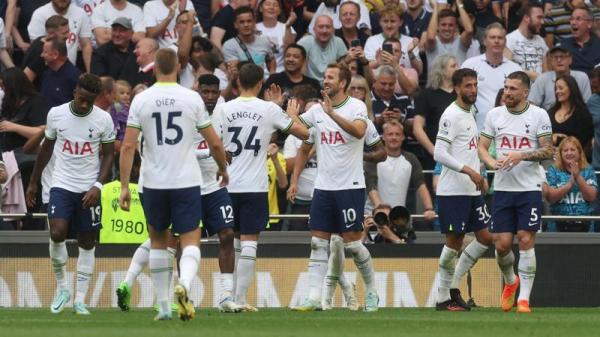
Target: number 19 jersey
[(247, 124), (169, 116)]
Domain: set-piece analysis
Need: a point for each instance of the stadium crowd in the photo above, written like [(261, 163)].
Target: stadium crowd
[(402, 55)]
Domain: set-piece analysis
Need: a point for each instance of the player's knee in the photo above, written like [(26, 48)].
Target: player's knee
[(57, 234), (503, 247), (226, 237), (526, 242)]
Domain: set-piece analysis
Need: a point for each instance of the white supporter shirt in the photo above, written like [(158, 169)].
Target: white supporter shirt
[(169, 116), (105, 14), (489, 81), (155, 12), (364, 20), (79, 26), (89, 6), (517, 132), (375, 42), (340, 154), (275, 37), (528, 53), (247, 124), (458, 128), (77, 146)]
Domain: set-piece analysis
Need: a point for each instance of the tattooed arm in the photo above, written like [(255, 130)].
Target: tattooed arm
[(545, 151)]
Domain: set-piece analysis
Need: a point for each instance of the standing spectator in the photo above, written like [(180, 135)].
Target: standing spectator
[(60, 79), (222, 25), (247, 46), (159, 17), (416, 18), (322, 48), (107, 12), (431, 103), (332, 7), (273, 24), (569, 115), (524, 45), (571, 186), (407, 78), (442, 37), (391, 21), (18, 15), (484, 16), (80, 31), (386, 104), (583, 45), (277, 172), (492, 68), (349, 15), (542, 90), (556, 22), (4, 56), (593, 105), (144, 58), (116, 55)]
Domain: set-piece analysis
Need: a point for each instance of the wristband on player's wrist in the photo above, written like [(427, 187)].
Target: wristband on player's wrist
[(98, 185)]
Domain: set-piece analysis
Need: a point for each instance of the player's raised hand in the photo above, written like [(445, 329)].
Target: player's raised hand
[(125, 199), (291, 193), (30, 195), (91, 197), (223, 178), (274, 94), (293, 108), (326, 103)]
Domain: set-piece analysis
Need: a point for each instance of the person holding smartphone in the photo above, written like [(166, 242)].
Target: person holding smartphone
[(349, 14)]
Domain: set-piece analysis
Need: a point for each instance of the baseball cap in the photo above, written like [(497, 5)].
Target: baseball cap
[(123, 22)]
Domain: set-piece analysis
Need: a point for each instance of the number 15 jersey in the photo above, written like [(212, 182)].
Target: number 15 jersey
[(169, 116), (247, 124)]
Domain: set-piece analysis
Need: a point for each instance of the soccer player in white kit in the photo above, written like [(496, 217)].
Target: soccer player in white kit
[(81, 132), (247, 124), (460, 204), (169, 116), (523, 136), (340, 124)]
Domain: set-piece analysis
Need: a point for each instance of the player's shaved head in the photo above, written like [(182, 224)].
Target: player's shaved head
[(165, 61)]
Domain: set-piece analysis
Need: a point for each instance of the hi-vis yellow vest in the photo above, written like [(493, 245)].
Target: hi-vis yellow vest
[(119, 226)]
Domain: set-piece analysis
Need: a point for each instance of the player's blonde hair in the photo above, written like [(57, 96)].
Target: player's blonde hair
[(558, 162)]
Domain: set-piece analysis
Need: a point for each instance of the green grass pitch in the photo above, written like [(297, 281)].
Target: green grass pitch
[(488, 322)]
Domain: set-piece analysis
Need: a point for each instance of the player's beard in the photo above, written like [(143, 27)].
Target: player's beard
[(468, 99)]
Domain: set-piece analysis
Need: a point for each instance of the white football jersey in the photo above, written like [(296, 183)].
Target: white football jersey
[(518, 132), (247, 124), (207, 163), (459, 129), (306, 180), (169, 116), (155, 12), (340, 154), (77, 148)]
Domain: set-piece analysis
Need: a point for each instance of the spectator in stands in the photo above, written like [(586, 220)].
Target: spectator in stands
[(277, 171), (223, 27), (431, 103), (142, 74), (159, 17), (556, 22), (583, 45), (525, 46), (571, 186), (106, 13), (386, 104), (80, 31), (492, 68), (407, 78), (4, 56), (416, 19), (332, 7), (294, 60), (391, 21), (18, 16), (247, 46), (274, 24), (542, 90), (388, 182), (569, 115), (484, 16), (112, 58), (359, 89), (443, 37), (322, 48), (106, 97), (60, 79), (349, 15), (593, 105), (33, 63)]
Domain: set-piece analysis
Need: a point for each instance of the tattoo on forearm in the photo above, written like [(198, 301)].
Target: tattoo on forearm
[(545, 151)]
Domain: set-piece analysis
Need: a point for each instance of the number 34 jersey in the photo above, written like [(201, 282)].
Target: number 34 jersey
[(169, 116), (247, 124)]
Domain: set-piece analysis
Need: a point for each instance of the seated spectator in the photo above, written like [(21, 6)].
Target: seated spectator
[(359, 89), (570, 116), (112, 58), (571, 186), (386, 104), (222, 24), (143, 72), (159, 18), (331, 7), (349, 16), (442, 35), (407, 79), (60, 79), (277, 171), (106, 98), (276, 26), (431, 102), (33, 63), (107, 12), (583, 46), (542, 90), (593, 105), (4, 56)]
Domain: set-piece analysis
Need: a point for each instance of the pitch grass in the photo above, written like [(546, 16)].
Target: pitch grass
[(488, 322)]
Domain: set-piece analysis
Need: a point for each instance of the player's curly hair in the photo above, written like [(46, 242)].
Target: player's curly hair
[(90, 83)]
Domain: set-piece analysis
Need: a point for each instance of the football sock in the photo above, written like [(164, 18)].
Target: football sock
[(59, 257), (334, 266), (447, 264), (226, 284), (362, 259), (506, 263), (237, 250), (526, 269), (138, 262), (173, 259), (85, 268), (159, 270), (245, 269), (317, 267), (189, 263), (467, 260)]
